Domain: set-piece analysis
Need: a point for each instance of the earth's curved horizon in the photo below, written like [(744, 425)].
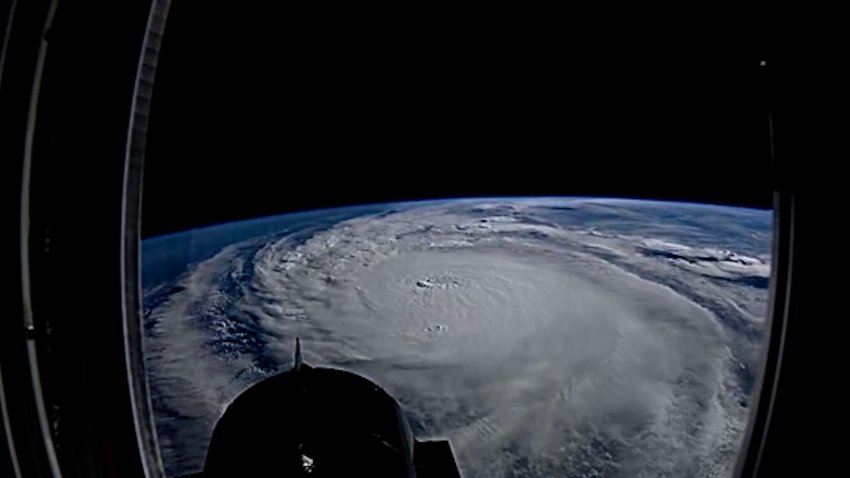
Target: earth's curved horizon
[(542, 336)]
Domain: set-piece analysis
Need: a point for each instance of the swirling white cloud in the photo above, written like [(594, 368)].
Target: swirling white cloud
[(541, 345)]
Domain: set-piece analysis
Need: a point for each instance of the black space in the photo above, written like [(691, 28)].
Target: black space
[(262, 112)]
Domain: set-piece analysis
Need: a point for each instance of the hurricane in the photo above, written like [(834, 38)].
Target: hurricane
[(542, 336)]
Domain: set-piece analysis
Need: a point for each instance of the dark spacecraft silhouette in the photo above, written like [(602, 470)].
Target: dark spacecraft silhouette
[(319, 422)]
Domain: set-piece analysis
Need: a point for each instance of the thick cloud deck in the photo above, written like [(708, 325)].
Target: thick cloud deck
[(555, 337)]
